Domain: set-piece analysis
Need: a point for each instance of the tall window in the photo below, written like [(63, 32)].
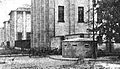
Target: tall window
[(60, 13), (80, 14), (28, 35), (19, 35)]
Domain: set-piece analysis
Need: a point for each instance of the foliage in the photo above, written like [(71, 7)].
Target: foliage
[(109, 19)]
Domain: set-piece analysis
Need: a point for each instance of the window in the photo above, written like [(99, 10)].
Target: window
[(87, 46), (28, 35), (62, 38), (82, 35), (74, 45), (60, 13), (19, 35), (65, 45), (80, 14)]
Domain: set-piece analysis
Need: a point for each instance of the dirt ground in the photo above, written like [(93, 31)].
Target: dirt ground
[(26, 62), (33, 63)]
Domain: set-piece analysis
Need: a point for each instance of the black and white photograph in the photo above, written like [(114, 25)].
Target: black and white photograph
[(59, 34)]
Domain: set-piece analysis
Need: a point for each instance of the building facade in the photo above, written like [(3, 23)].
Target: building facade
[(52, 20), (6, 32), (2, 36), (20, 25)]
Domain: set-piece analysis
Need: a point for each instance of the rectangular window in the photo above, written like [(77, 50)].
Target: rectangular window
[(65, 45), (82, 35), (62, 38), (87, 46), (74, 45), (60, 13), (19, 35), (80, 14), (28, 35)]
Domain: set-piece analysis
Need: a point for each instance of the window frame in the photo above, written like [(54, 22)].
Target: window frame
[(61, 14), (82, 35), (28, 35), (19, 35), (80, 14), (87, 45)]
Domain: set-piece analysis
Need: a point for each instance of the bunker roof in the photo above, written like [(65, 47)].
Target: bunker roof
[(79, 39)]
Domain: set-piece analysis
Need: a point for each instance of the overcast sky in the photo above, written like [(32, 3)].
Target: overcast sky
[(7, 5)]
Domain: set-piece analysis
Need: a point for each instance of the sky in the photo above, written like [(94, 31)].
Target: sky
[(7, 5)]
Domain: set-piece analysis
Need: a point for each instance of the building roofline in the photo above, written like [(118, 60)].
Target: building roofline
[(78, 39), (11, 12), (20, 9), (6, 21)]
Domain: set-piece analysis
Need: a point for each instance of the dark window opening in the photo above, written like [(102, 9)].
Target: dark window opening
[(19, 35), (80, 14), (8, 44), (65, 45), (60, 13), (82, 35), (86, 46), (74, 45), (62, 38), (28, 36)]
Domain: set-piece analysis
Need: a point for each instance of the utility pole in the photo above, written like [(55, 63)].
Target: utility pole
[(94, 43), (54, 18)]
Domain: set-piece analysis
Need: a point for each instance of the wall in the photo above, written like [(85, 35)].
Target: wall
[(12, 26), (45, 25), (1, 35), (23, 26), (28, 21), (56, 42), (6, 31), (40, 23), (71, 25), (75, 49), (61, 28), (19, 23)]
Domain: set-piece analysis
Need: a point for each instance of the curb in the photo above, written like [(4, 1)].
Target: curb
[(62, 59), (77, 60)]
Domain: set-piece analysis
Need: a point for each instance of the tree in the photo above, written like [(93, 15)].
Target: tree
[(109, 20)]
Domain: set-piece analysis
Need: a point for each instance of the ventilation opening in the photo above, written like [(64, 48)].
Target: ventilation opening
[(74, 45), (87, 46)]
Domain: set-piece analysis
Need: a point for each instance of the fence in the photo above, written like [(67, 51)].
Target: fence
[(104, 49)]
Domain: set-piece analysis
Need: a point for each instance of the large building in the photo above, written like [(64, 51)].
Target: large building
[(20, 25), (55, 20)]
